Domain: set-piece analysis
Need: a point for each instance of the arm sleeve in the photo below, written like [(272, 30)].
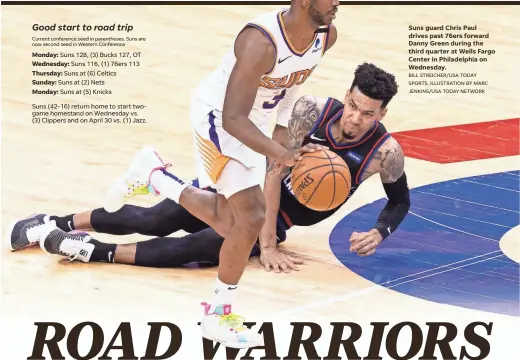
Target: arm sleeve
[(396, 208), (286, 106)]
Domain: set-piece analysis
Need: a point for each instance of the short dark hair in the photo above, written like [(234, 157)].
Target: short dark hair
[(375, 83)]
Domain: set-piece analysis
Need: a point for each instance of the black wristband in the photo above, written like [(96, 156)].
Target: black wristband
[(384, 231)]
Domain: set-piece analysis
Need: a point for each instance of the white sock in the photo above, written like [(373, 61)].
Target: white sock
[(169, 185), (223, 294)]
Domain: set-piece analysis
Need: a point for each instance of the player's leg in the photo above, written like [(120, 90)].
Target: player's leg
[(247, 203), (162, 219), (237, 213), (167, 217), (197, 249), (238, 174), (147, 174)]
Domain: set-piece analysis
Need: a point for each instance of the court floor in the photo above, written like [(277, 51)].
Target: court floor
[(456, 255)]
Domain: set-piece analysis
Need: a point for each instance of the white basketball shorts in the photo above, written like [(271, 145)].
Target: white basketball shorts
[(222, 161)]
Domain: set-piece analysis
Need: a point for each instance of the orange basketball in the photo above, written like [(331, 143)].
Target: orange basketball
[(321, 180)]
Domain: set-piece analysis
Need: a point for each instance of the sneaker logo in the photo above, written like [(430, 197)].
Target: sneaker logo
[(83, 252), (110, 258), (69, 224)]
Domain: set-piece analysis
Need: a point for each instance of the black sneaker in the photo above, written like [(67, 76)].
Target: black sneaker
[(24, 233)]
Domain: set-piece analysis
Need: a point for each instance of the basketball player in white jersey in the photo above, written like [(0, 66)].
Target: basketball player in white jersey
[(271, 57)]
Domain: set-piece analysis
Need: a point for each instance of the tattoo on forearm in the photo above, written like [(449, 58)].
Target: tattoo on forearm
[(271, 165), (274, 167), (303, 118)]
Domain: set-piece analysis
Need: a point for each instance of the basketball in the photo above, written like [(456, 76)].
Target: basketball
[(321, 180)]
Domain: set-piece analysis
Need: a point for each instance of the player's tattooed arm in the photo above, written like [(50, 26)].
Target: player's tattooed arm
[(303, 117), (388, 161), (305, 113), (391, 161), (280, 135)]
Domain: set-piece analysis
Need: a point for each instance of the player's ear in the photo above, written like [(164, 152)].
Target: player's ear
[(382, 114)]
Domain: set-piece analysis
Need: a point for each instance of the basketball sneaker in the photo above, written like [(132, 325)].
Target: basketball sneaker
[(135, 181), (219, 324), (25, 233), (74, 244)]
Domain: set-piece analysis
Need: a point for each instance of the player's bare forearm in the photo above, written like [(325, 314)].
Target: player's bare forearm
[(304, 115), (272, 192), (272, 198), (250, 135)]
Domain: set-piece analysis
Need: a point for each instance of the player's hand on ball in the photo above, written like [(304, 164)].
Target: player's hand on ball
[(272, 258), (365, 243), (292, 156)]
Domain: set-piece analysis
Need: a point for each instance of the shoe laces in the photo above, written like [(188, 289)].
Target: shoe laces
[(139, 188), (234, 321), (76, 252)]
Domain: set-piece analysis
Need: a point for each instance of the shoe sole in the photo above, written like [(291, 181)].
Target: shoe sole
[(115, 188)]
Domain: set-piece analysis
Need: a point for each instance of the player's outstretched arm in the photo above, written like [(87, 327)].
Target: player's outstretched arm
[(395, 184), (389, 163), (273, 179), (255, 56), (270, 256), (304, 115)]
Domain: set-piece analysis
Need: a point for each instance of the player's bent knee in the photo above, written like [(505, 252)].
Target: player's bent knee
[(249, 210), (255, 221)]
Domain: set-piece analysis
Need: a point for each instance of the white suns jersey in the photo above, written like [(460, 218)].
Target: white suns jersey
[(291, 69)]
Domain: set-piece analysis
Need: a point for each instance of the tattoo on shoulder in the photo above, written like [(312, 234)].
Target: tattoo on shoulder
[(391, 162), (305, 113)]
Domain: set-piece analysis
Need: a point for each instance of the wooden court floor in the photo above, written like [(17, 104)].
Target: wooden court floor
[(66, 168)]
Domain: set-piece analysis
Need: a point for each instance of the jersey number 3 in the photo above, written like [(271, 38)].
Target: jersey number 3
[(271, 104)]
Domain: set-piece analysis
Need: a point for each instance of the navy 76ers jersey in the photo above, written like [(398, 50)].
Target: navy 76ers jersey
[(357, 155)]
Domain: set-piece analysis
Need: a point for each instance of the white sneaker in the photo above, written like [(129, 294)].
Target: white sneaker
[(74, 244), (25, 233), (135, 181), (221, 325)]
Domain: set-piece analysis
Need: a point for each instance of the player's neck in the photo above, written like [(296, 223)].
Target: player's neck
[(298, 26)]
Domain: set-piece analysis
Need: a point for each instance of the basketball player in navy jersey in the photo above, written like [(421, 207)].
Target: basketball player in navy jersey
[(230, 109), (351, 128)]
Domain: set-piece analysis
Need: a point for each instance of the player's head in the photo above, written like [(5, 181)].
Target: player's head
[(321, 12), (366, 100)]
